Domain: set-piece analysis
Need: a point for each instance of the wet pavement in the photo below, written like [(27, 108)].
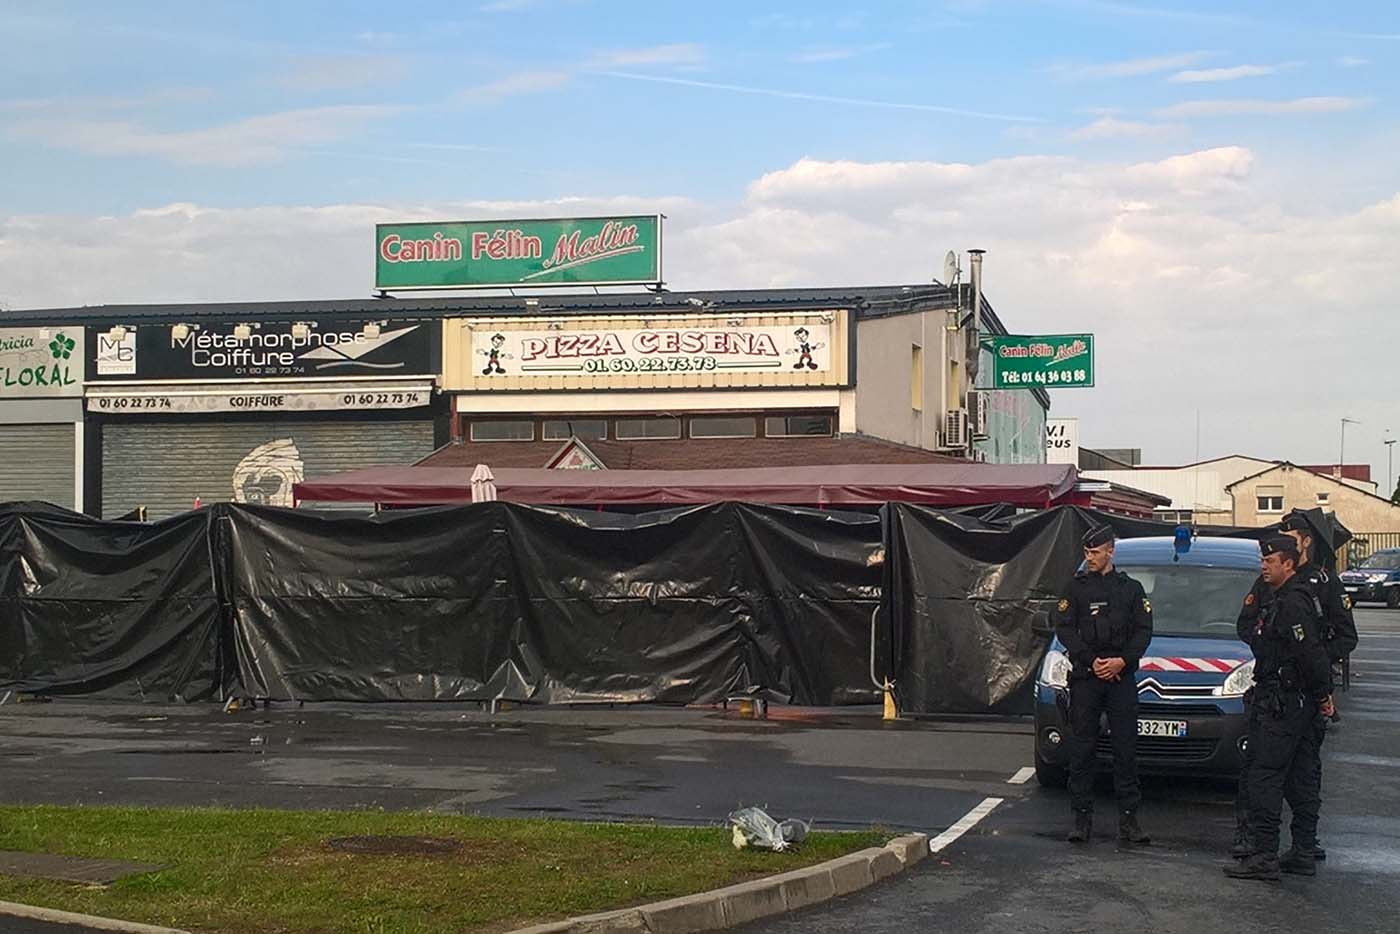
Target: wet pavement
[(843, 768), (1013, 872)]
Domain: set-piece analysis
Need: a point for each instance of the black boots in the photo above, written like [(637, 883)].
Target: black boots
[(1260, 866), (1129, 831), (1299, 862), (1083, 827), (1243, 846)]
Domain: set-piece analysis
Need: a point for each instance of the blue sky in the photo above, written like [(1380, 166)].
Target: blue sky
[(323, 102), (1209, 187)]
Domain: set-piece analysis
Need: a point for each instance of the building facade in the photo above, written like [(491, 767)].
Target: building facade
[(1265, 497), (41, 414), (165, 406)]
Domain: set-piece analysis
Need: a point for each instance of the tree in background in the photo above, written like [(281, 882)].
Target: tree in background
[(1395, 497)]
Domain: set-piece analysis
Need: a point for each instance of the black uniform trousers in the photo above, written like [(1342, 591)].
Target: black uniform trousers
[(1088, 699), (1284, 735), (1303, 791)]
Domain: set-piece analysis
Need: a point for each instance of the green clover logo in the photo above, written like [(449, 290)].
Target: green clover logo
[(61, 346)]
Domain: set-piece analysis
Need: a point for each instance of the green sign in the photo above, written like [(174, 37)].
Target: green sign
[(41, 362), (1057, 361), (519, 253)]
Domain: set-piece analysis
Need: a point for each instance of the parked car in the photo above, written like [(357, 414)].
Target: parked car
[(1376, 579), (1191, 682)]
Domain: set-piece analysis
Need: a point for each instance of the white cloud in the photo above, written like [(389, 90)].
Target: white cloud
[(253, 140), (1113, 128), (1352, 61), (817, 56), (817, 98), (1253, 106), (507, 6), (1195, 272), (1132, 68), (678, 54), (312, 74), (523, 83), (1233, 73)]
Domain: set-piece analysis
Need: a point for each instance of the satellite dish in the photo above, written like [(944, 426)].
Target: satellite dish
[(950, 268)]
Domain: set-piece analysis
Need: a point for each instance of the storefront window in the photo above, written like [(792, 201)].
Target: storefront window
[(723, 426), (589, 429), (648, 429), (503, 431), (792, 426)]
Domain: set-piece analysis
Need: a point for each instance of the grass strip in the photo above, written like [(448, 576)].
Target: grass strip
[(271, 872)]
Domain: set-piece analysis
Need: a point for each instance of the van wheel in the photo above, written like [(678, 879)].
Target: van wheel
[(1392, 599), (1050, 776)]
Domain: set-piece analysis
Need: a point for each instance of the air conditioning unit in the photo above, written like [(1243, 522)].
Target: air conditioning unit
[(978, 404), (955, 429), (979, 456)]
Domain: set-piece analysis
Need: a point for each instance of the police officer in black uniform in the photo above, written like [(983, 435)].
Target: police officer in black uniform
[(1292, 685), (1312, 535), (1104, 622)]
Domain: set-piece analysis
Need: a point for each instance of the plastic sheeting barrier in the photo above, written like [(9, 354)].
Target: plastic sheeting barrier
[(541, 604), (118, 608)]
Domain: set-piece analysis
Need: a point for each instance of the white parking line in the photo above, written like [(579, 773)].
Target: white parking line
[(1022, 776), (964, 824)]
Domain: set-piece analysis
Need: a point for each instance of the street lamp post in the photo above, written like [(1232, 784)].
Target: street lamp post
[(1342, 457), (1389, 466)]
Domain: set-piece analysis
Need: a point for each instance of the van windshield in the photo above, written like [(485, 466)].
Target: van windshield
[(1193, 601), (1386, 561)]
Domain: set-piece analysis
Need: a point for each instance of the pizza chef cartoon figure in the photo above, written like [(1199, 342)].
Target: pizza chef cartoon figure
[(804, 350), (495, 355)]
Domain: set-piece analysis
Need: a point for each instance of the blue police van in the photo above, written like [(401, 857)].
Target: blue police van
[(1191, 681), (1376, 579)]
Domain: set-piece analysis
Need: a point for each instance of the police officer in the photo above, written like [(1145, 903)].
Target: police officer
[(1311, 533), (1104, 622), (1292, 685)]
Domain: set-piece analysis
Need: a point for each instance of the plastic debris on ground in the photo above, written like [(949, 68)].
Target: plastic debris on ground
[(753, 827)]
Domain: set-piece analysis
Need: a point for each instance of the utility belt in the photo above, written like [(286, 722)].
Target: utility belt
[(1277, 699)]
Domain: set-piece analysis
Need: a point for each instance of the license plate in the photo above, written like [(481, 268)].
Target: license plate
[(1352, 589), (1171, 728)]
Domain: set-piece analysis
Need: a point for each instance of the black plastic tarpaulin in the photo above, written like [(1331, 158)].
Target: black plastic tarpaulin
[(970, 595), (119, 608), (553, 606)]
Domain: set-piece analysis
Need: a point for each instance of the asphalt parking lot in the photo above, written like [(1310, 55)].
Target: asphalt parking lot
[(844, 769)]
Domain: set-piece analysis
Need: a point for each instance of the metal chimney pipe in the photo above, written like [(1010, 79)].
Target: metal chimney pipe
[(974, 336)]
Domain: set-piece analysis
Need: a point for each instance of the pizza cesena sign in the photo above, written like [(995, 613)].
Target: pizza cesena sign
[(803, 348), (278, 366)]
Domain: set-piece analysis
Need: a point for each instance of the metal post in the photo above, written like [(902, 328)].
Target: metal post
[(1342, 455), (1389, 467)]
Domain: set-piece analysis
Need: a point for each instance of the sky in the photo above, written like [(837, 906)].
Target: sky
[(1210, 188)]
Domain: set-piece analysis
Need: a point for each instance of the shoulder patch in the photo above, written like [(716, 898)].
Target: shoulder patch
[(1249, 599), (1147, 604), (1064, 605), (1299, 634), (1346, 601)]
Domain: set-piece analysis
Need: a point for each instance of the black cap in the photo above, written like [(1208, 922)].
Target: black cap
[(1279, 544), (1295, 521), (1102, 535)]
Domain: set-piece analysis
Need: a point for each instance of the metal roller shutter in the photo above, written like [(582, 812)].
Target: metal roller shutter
[(36, 463), (165, 466)]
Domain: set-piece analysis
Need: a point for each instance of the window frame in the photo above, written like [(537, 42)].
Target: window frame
[(601, 419), (471, 430), (830, 422), (691, 419), (677, 420)]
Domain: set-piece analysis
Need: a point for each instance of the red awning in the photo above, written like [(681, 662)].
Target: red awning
[(1031, 485)]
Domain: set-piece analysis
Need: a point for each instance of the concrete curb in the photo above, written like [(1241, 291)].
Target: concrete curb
[(749, 901), (16, 910)]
